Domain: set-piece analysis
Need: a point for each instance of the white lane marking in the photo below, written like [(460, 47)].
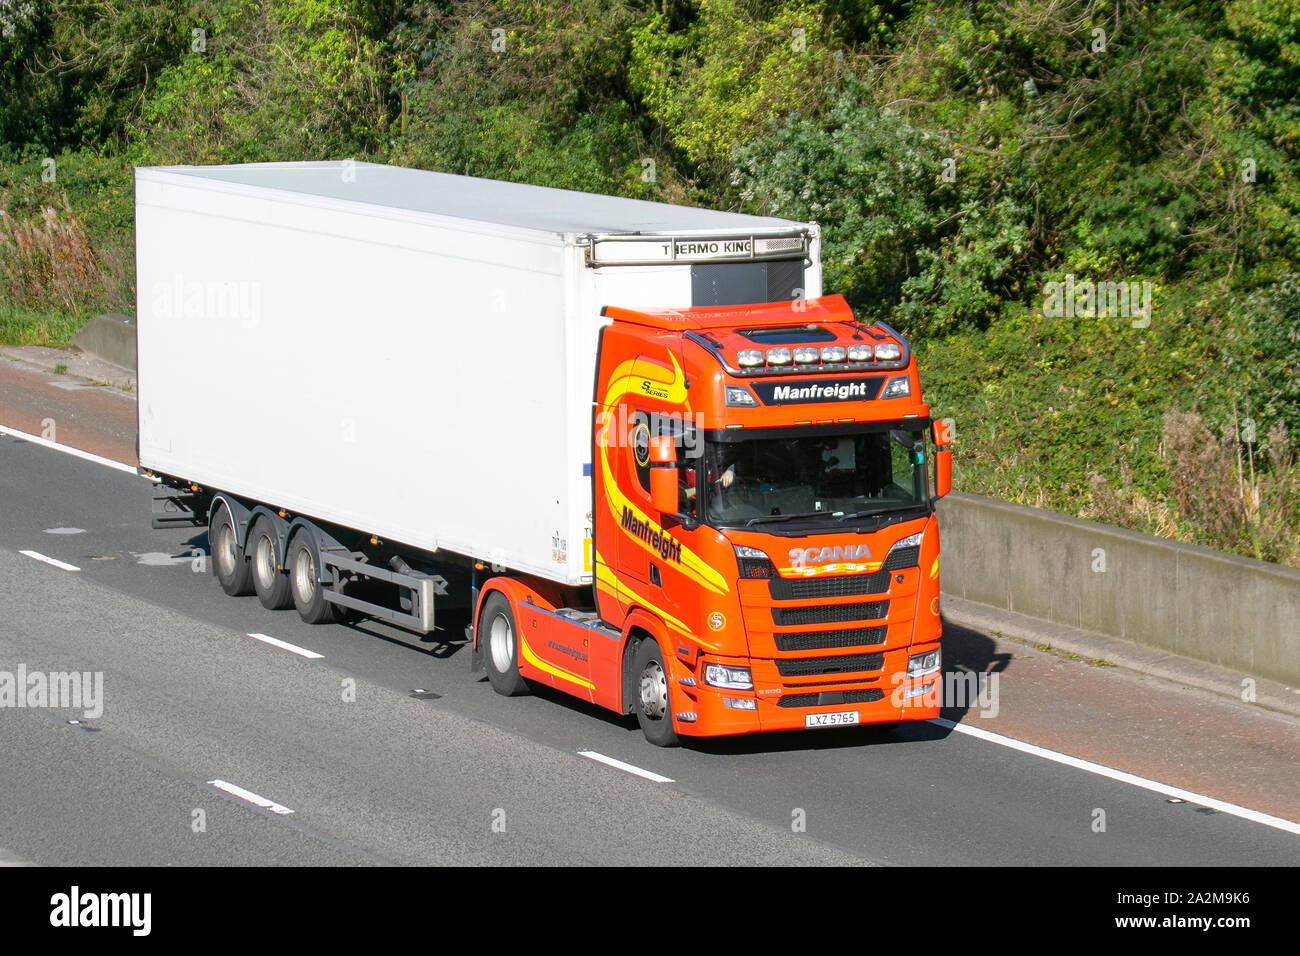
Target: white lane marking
[(65, 531), (250, 796), (36, 555), (286, 646), (627, 767), (1245, 813), (69, 450)]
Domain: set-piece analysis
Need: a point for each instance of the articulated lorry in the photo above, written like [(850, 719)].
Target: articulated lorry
[(631, 442)]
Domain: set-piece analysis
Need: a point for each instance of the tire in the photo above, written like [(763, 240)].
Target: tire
[(308, 594), (500, 646), (228, 563), (269, 582), (653, 701)]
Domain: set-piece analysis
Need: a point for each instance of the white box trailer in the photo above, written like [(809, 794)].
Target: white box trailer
[(411, 354)]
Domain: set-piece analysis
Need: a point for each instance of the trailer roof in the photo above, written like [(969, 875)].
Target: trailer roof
[(485, 200)]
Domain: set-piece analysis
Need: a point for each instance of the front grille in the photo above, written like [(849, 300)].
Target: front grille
[(823, 640), (901, 558), (832, 697), (783, 589), (842, 664), (829, 613)]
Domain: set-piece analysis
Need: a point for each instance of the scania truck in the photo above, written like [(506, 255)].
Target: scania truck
[(632, 443)]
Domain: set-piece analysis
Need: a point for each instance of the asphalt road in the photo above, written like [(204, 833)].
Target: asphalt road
[(456, 775)]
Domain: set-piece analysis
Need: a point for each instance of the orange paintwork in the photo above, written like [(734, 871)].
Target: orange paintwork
[(701, 611)]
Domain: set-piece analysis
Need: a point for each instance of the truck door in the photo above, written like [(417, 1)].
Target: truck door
[(651, 557), (634, 470)]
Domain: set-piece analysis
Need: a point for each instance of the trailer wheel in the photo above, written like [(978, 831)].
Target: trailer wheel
[(270, 583), (308, 594), (500, 645), (228, 563), (653, 701)]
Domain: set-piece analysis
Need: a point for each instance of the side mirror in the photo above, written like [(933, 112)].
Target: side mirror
[(942, 472), (942, 436), (663, 475)]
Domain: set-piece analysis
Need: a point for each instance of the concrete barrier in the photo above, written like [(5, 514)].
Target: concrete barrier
[(1182, 598), (109, 337)]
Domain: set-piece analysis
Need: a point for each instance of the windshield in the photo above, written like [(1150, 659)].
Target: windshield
[(761, 479)]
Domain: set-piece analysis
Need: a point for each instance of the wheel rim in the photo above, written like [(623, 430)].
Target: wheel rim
[(501, 643), (224, 547), (654, 691), (264, 559), (304, 576)]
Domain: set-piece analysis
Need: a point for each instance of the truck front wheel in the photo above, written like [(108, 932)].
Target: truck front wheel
[(228, 562), (499, 644), (270, 583), (653, 699)]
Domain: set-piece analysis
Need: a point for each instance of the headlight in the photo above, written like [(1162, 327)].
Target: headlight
[(922, 664), (887, 352), (738, 395), (753, 563), (897, 387), (728, 678), (859, 353), (740, 704)]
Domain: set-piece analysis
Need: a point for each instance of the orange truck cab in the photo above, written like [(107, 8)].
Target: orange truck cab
[(765, 552)]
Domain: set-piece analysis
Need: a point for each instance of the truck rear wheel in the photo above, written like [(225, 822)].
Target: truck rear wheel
[(228, 562), (499, 642), (308, 593), (270, 583), (653, 699)]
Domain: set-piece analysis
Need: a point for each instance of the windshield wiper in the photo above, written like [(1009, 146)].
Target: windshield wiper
[(807, 514), (884, 512)]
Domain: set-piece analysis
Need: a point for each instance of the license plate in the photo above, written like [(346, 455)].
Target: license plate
[(837, 719)]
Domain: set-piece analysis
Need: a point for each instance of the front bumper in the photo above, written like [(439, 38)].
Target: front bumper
[(885, 697)]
